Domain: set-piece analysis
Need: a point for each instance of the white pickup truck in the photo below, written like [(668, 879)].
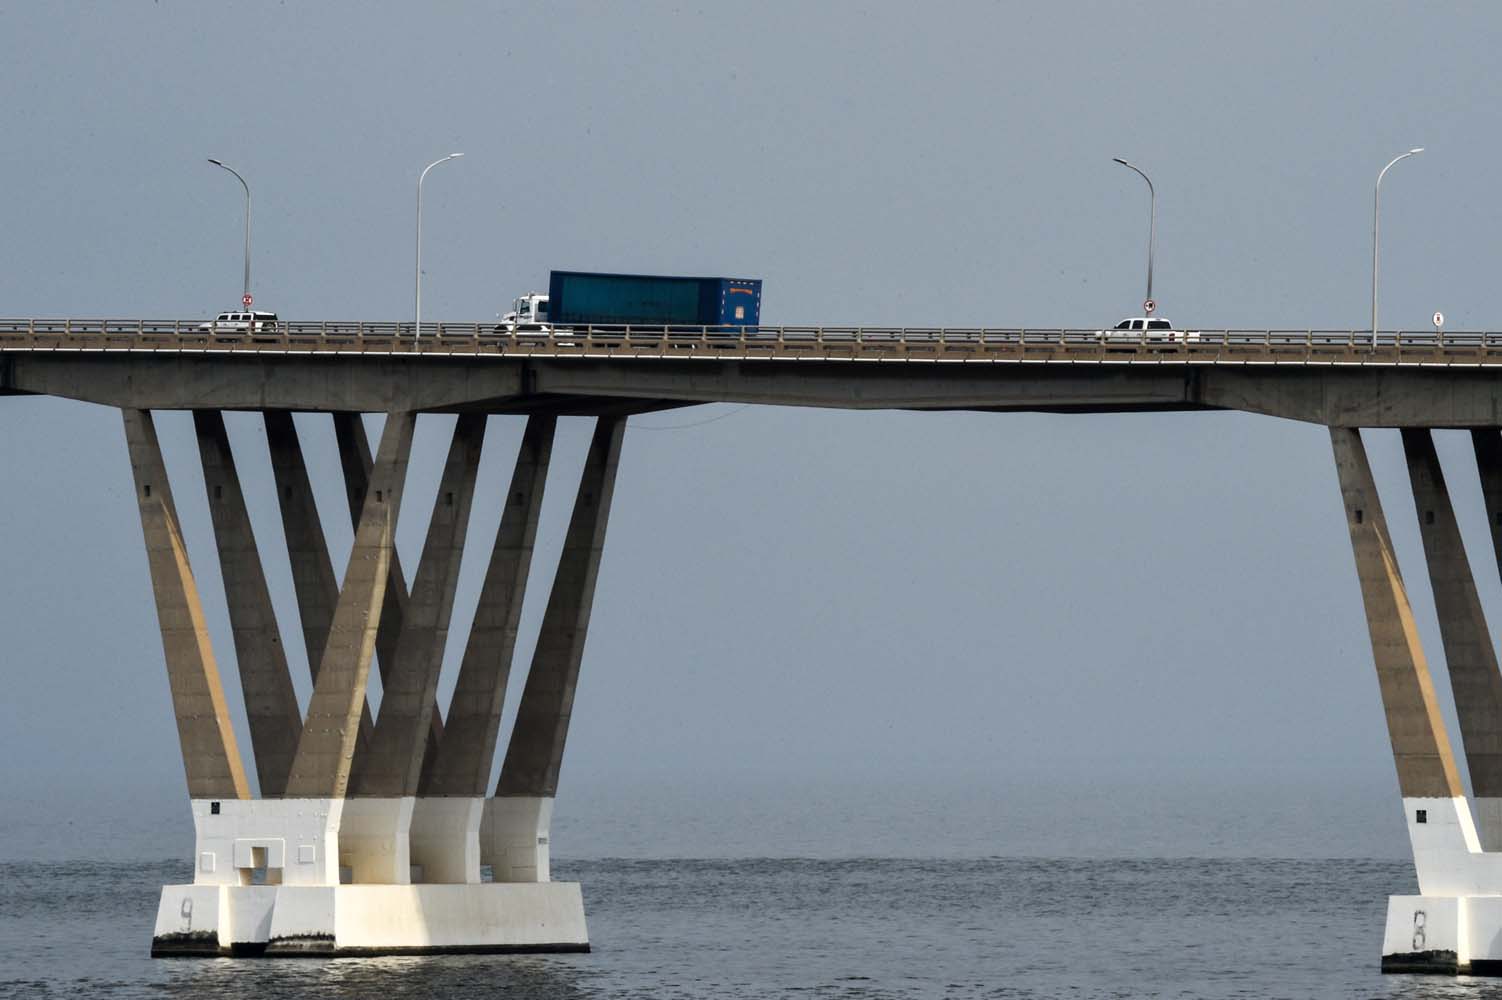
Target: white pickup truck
[(1152, 329), (241, 322)]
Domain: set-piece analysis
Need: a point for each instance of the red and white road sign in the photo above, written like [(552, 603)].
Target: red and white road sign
[(1149, 306), (247, 298), (1439, 319)]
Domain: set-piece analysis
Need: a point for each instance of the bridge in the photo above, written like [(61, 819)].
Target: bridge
[(372, 832)]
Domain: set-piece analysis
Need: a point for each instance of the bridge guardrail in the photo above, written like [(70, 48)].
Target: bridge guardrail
[(834, 343)]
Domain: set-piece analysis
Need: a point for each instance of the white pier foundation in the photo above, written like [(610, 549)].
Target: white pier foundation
[(267, 882)]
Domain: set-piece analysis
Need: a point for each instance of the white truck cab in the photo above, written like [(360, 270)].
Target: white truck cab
[(529, 314)]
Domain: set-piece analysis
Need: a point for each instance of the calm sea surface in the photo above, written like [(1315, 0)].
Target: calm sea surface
[(824, 928), (869, 893)]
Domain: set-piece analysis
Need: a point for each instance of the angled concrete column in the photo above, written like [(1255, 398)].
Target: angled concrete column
[(447, 823), (1472, 663), (390, 772), (313, 576), (270, 701), (321, 767), (211, 757), (1420, 746), (467, 752), (354, 457), (521, 812), (1487, 444), (313, 579)]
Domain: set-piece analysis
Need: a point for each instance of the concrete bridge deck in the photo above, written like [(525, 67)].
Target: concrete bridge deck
[(1336, 378)]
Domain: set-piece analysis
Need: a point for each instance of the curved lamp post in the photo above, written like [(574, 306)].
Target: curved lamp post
[(417, 325), (1152, 222), (218, 163), (1376, 204)]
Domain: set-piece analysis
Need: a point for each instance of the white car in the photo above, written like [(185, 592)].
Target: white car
[(1152, 329), (241, 322)]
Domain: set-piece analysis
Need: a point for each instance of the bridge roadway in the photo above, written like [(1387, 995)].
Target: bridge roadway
[(1337, 378)]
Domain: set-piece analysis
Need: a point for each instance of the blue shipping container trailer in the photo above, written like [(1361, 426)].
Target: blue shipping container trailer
[(586, 298)]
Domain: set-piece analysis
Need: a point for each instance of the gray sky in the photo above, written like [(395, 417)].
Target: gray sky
[(832, 596)]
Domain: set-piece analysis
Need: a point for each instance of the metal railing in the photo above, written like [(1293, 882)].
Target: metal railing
[(828, 343)]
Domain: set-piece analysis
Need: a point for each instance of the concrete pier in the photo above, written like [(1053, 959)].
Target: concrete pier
[(1454, 924), (366, 838)]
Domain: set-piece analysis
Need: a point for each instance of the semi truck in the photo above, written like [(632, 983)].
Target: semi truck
[(592, 298)]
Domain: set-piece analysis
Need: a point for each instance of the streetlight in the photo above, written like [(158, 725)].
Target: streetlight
[(417, 325), (1376, 203), (245, 298), (1152, 227)]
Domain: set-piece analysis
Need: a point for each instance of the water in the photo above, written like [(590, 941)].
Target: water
[(869, 928), (881, 889)]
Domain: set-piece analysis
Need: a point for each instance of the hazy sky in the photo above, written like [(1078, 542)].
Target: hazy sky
[(827, 596)]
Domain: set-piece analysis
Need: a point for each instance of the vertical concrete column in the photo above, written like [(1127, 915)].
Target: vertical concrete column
[(321, 767), (211, 757), (270, 701), (1472, 663), (1439, 819), (354, 457), (387, 778), (522, 809), (446, 826)]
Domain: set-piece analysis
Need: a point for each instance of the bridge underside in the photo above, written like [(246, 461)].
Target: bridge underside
[(1336, 396)]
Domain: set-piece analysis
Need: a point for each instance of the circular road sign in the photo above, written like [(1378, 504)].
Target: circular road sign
[(1439, 320), (247, 298), (1149, 306)]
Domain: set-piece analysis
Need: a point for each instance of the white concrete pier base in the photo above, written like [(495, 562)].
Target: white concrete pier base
[(288, 921), (1454, 926), (445, 839), (373, 840), (514, 837), (293, 847)]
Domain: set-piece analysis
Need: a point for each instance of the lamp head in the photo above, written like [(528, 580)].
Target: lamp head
[(1420, 149), (215, 162)]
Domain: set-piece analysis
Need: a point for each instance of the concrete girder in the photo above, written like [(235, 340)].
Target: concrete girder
[(321, 768), (1469, 656), (270, 701), (211, 756), (1436, 397), (535, 753), (262, 382), (1334, 395), (466, 753), (866, 385), (313, 579), (393, 766), (1420, 745), (354, 458)]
